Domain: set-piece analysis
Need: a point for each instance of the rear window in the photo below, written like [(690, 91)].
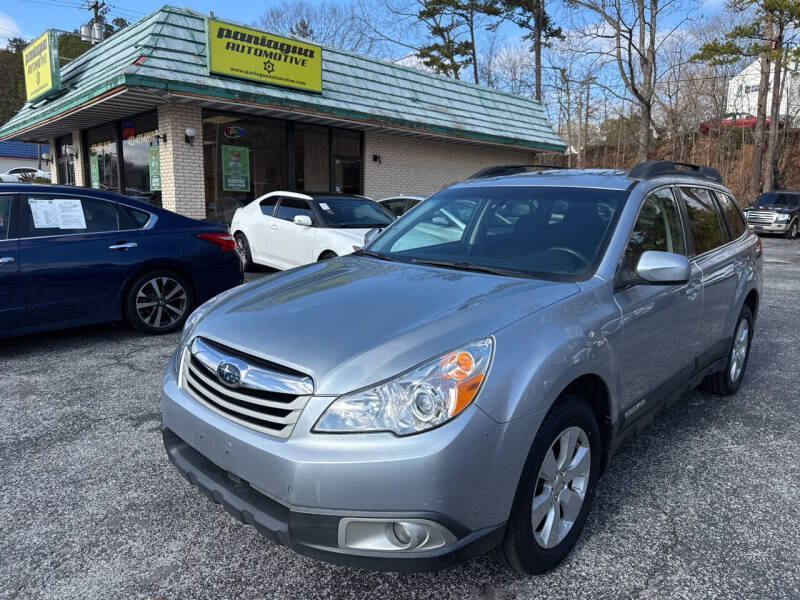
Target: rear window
[(131, 218)]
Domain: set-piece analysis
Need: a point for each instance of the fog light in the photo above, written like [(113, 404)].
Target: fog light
[(389, 535)]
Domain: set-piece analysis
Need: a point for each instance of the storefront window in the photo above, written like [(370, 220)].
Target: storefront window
[(347, 162), (244, 158), (137, 139), (103, 161), (65, 160), (312, 159)]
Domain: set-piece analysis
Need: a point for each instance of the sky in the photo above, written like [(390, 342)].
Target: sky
[(29, 18)]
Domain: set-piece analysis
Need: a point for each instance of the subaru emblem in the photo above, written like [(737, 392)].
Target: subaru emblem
[(229, 374)]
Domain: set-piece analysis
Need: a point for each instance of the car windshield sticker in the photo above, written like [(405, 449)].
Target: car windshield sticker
[(57, 214), (324, 206)]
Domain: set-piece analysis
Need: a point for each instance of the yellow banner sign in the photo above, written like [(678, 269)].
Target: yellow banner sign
[(40, 60), (258, 56)]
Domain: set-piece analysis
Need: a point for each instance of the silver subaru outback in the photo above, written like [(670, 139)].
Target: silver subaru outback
[(460, 383)]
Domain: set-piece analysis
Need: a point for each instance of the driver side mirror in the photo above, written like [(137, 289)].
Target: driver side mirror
[(663, 267), (303, 220), (372, 234)]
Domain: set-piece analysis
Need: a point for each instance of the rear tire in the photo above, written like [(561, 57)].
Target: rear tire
[(727, 382), (793, 231), (159, 302), (243, 250), (555, 489)]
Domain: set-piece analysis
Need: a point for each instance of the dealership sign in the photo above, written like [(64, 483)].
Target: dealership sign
[(40, 61), (259, 56)]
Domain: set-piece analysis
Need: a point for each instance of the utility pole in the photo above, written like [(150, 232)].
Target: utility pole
[(96, 30), (96, 8)]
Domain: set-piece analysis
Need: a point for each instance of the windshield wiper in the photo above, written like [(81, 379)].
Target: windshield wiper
[(468, 266), (377, 255)]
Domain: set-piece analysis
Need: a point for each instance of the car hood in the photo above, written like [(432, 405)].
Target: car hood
[(779, 208), (355, 235), (353, 321)]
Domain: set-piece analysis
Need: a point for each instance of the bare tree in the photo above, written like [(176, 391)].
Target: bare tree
[(627, 32), (341, 25)]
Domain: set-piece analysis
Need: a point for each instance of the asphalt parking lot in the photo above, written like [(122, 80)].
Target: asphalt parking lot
[(703, 504)]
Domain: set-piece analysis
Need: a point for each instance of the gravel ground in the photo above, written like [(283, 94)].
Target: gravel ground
[(701, 504)]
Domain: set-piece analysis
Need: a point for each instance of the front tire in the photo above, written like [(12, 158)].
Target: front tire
[(159, 302), (555, 491), (326, 255), (793, 231), (727, 382)]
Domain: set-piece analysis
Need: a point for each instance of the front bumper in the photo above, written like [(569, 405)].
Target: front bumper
[(773, 228), (316, 534), (462, 476)]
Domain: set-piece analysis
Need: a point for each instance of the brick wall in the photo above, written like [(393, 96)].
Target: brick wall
[(182, 187), (423, 166), (52, 162), (77, 148)]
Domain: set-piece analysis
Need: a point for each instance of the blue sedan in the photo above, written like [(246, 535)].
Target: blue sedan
[(73, 256)]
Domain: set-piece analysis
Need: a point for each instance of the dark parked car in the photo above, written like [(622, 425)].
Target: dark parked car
[(775, 212), (72, 256)]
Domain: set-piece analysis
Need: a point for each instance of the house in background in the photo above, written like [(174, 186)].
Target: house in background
[(22, 154), (743, 92)]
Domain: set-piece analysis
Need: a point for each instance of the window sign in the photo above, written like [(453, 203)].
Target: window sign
[(155, 168), (94, 171), (57, 213), (235, 169), (40, 61), (259, 56)]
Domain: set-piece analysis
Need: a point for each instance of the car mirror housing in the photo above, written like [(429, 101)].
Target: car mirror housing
[(372, 234), (663, 267), (303, 220)]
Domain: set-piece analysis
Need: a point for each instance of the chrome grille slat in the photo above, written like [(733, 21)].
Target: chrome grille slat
[(298, 402), (261, 403), (761, 217), (253, 376)]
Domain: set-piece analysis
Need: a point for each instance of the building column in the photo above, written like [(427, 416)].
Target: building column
[(77, 148), (51, 150), (182, 181)]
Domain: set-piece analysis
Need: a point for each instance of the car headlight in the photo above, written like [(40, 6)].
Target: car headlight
[(782, 218), (419, 399)]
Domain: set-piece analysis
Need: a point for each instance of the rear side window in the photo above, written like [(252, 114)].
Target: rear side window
[(60, 215), (704, 219), (130, 218), (6, 202), (268, 205), (658, 227), (732, 215), (289, 208)]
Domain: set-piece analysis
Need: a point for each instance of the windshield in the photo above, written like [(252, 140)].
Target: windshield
[(353, 212), (778, 199), (533, 231)]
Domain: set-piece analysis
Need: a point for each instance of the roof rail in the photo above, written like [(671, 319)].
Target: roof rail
[(509, 170), (650, 169)]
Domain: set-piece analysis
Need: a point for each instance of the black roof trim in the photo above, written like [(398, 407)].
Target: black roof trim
[(650, 169), (497, 170)]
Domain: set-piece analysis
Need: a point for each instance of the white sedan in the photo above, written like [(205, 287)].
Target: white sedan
[(22, 173), (288, 229)]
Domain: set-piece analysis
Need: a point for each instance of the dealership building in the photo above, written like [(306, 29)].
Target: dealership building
[(198, 115)]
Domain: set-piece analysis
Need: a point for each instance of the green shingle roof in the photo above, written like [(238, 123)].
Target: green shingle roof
[(167, 50)]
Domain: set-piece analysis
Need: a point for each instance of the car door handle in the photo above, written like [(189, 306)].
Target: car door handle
[(274, 227), (123, 246), (6, 260)]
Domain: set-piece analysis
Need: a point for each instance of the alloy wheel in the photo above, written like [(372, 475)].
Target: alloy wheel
[(739, 351), (161, 302), (793, 233), (241, 249), (561, 487)]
